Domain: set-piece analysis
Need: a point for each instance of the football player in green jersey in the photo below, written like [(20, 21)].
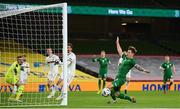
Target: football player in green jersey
[(103, 70), (123, 69), (168, 70)]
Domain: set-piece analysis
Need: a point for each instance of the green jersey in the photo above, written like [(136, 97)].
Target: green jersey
[(14, 70), (126, 65), (103, 62), (167, 68)]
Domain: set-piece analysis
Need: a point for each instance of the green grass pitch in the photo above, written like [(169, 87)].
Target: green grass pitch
[(150, 99)]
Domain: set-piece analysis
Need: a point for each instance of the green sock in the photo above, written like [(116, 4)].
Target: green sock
[(123, 96), (99, 84), (104, 83), (113, 94), (19, 91)]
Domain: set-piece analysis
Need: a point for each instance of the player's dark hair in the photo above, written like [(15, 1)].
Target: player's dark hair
[(133, 49), (19, 57), (70, 44)]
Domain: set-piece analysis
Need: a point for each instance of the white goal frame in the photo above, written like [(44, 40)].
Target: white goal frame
[(65, 42)]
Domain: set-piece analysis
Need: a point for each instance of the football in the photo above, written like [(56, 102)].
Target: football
[(106, 92)]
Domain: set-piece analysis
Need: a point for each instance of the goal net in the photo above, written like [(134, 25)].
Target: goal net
[(25, 36)]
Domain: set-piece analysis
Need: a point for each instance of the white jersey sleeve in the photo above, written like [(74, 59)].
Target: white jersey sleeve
[(53, 62), (71, 63), (120, 61)]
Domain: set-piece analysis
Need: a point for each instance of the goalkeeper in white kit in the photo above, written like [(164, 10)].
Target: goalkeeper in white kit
[(52, 61)]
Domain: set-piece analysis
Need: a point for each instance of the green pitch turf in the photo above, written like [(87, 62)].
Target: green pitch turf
[(154, 99)]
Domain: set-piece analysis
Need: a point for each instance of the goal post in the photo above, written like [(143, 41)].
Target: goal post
[(30, 32), (65, 40)]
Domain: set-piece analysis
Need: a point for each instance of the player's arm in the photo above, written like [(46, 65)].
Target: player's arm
[(140, 68), (161, 68), (71, 59), (58, 61), (119, 49), (95, 59), (110, 62)]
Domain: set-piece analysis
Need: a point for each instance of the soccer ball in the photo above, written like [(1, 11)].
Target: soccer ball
[(106, 92)]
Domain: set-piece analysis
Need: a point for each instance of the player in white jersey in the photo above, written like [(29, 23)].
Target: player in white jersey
[(52, 61), (71, 68), (25, 71), (128, 76)]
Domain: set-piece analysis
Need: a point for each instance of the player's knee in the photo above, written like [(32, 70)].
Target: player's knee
[(109, 86)]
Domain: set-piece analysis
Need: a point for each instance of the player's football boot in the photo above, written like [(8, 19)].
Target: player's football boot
[(51, 94), (60, 97), (17, 100), (113, 101), (99, 92)]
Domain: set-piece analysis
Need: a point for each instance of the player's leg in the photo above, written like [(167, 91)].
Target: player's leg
[(51, 78), (51, 88), (113, 96), (117, 83), (104, 80), (171, 82), (99, 83), (60, 80), (20, 91), (115, 93), (69, 80), (113, 90), (22, 82), (125, 97), (12, 81), (127, 83), (165, 79)]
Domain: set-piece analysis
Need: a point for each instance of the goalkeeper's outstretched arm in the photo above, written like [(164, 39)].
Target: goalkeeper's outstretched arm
[(119, 49), (138, 67)]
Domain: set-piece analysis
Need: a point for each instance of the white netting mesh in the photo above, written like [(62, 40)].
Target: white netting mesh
[(30, 32)]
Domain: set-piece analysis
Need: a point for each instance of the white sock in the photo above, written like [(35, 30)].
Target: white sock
[(53, 90), (56, 87), (14, 89)]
